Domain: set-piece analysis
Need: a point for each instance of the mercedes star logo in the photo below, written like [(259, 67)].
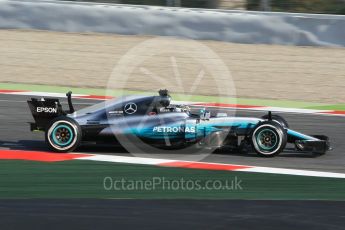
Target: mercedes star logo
[(130, 108)]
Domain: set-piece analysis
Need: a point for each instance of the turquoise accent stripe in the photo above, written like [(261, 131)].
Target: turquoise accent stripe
[(300, 136), (201, 129), (56, 141), (261, 145)]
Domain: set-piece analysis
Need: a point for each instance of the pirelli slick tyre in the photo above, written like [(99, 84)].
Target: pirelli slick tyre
[(269, 139), (278, 119), (63, 134)]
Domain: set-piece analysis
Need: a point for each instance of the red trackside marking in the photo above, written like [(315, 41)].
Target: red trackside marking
[(228, 105), (95, 97), (38, 156), (335, 112), (201, 165), (4, 91)]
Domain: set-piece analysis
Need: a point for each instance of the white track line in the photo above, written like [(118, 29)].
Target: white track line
[(296, 172), (198, 104), (157, 162), (276, 109), (44, 94), (254, 169), (127, 160)]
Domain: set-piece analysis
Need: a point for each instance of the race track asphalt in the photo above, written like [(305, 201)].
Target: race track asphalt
[(15, 134), (172, 214)]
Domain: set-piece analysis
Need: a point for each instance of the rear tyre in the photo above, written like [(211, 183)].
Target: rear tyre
[(269, 139), (63, 134)]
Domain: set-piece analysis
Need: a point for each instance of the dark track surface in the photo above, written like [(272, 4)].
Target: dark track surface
[(170, 214), (15, 134), (173, 214)]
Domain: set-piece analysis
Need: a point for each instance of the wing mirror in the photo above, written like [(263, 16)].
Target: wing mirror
[(204, 114)]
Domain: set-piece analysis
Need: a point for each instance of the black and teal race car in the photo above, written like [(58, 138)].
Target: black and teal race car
[(154, 121)]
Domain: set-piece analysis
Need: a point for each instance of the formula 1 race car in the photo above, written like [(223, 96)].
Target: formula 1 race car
[(154, 121)]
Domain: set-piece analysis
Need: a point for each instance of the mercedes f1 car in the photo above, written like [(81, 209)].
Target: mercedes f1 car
[(155, 121)]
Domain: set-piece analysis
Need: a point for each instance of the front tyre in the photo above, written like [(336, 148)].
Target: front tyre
[(278, 119), (269, 139), (63, 135)]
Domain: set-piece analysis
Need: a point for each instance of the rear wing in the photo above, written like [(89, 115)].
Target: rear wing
[(43, 111), (46, 109)]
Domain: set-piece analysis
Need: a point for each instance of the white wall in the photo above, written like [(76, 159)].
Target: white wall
[(222, 25)]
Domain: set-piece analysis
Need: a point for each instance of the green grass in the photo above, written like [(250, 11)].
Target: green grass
[(195, 98), (84, 179), (339, 107)]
